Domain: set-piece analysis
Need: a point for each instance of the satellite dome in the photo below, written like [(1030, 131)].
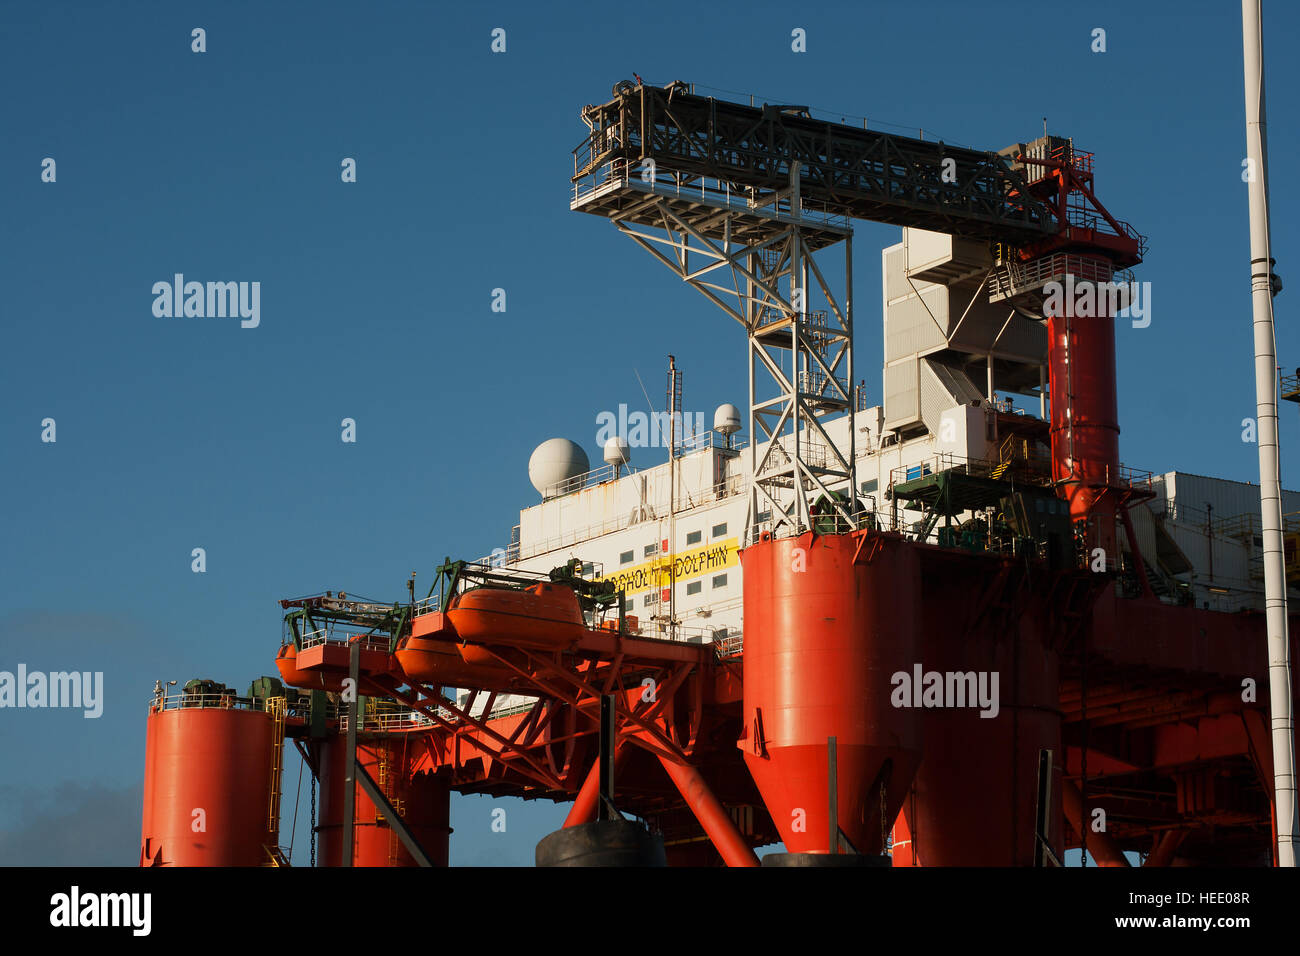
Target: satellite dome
[(726, 420), (554, 462), (617, 451)]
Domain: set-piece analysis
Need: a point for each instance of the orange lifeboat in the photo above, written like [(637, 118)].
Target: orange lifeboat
[(286, 662), (436, 662), (544, 616), (476, 655)]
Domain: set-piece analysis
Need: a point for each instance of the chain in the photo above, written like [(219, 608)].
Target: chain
[(1083, 756), (313, 820), (883, 826)]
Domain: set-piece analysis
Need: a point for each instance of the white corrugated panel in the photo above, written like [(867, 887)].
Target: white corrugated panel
[(939, 256), (914, 324), (1227, 498), (935, 399), (891, 263), (902, 394), (941, 389), (1144, 528)]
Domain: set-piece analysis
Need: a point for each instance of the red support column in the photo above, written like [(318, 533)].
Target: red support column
[(1163, 854), (904, 847), (1100, 845), (712, 815), (584, 807), (1085, 417)]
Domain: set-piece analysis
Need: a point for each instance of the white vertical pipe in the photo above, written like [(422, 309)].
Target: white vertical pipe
[(1270, 491)]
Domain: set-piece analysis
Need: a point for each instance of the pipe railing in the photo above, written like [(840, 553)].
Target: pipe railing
[(218, 701), (427, 605), (368, 642), (626, 173)]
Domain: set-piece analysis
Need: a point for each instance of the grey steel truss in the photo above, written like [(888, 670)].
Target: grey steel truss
[(800, 357)]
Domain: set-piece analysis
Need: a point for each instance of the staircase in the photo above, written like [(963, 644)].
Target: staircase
[(1018, 455), (1006, 456), (275, 856)]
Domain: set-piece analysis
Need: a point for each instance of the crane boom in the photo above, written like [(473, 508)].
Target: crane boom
[(1016, 196)]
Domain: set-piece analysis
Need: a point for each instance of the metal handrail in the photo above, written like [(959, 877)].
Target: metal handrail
[(369, 642), (407, 720), (217, 701), (619, 172), (728, 487), (710, 439), (519, 551), (1247, 524), (730, 646), (595, 476), (1015, 277), (389, 716), (930, 465), (610, 472), (427, 605), (1135, 477)]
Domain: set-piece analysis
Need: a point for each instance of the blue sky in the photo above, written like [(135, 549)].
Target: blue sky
[(375, 304)]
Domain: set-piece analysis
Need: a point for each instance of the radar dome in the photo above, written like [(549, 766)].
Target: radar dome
[(617, 451), (726, 420), (554, 462)]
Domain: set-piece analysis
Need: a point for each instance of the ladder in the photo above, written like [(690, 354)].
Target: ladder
[(275, 707), (381, 778), (400, 806), (675, 405)]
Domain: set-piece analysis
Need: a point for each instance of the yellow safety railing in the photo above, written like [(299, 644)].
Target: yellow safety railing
[(274, 855)]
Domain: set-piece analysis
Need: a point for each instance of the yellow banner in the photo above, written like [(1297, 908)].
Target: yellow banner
[(660, 572)]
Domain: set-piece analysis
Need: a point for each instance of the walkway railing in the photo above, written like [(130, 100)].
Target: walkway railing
[(627, 174)]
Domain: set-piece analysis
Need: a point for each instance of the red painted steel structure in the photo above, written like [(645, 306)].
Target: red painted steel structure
[(1160, 721), (1081, 336), (1141, 702), (827, 622), (996, 618), (422, 798), (1085, 420), (207, 786)]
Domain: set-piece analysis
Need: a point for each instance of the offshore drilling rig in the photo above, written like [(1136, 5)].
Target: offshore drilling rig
[(897, 565)]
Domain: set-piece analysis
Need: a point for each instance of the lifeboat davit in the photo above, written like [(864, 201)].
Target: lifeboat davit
[(544, 616), (438, 663), (286, 662)]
